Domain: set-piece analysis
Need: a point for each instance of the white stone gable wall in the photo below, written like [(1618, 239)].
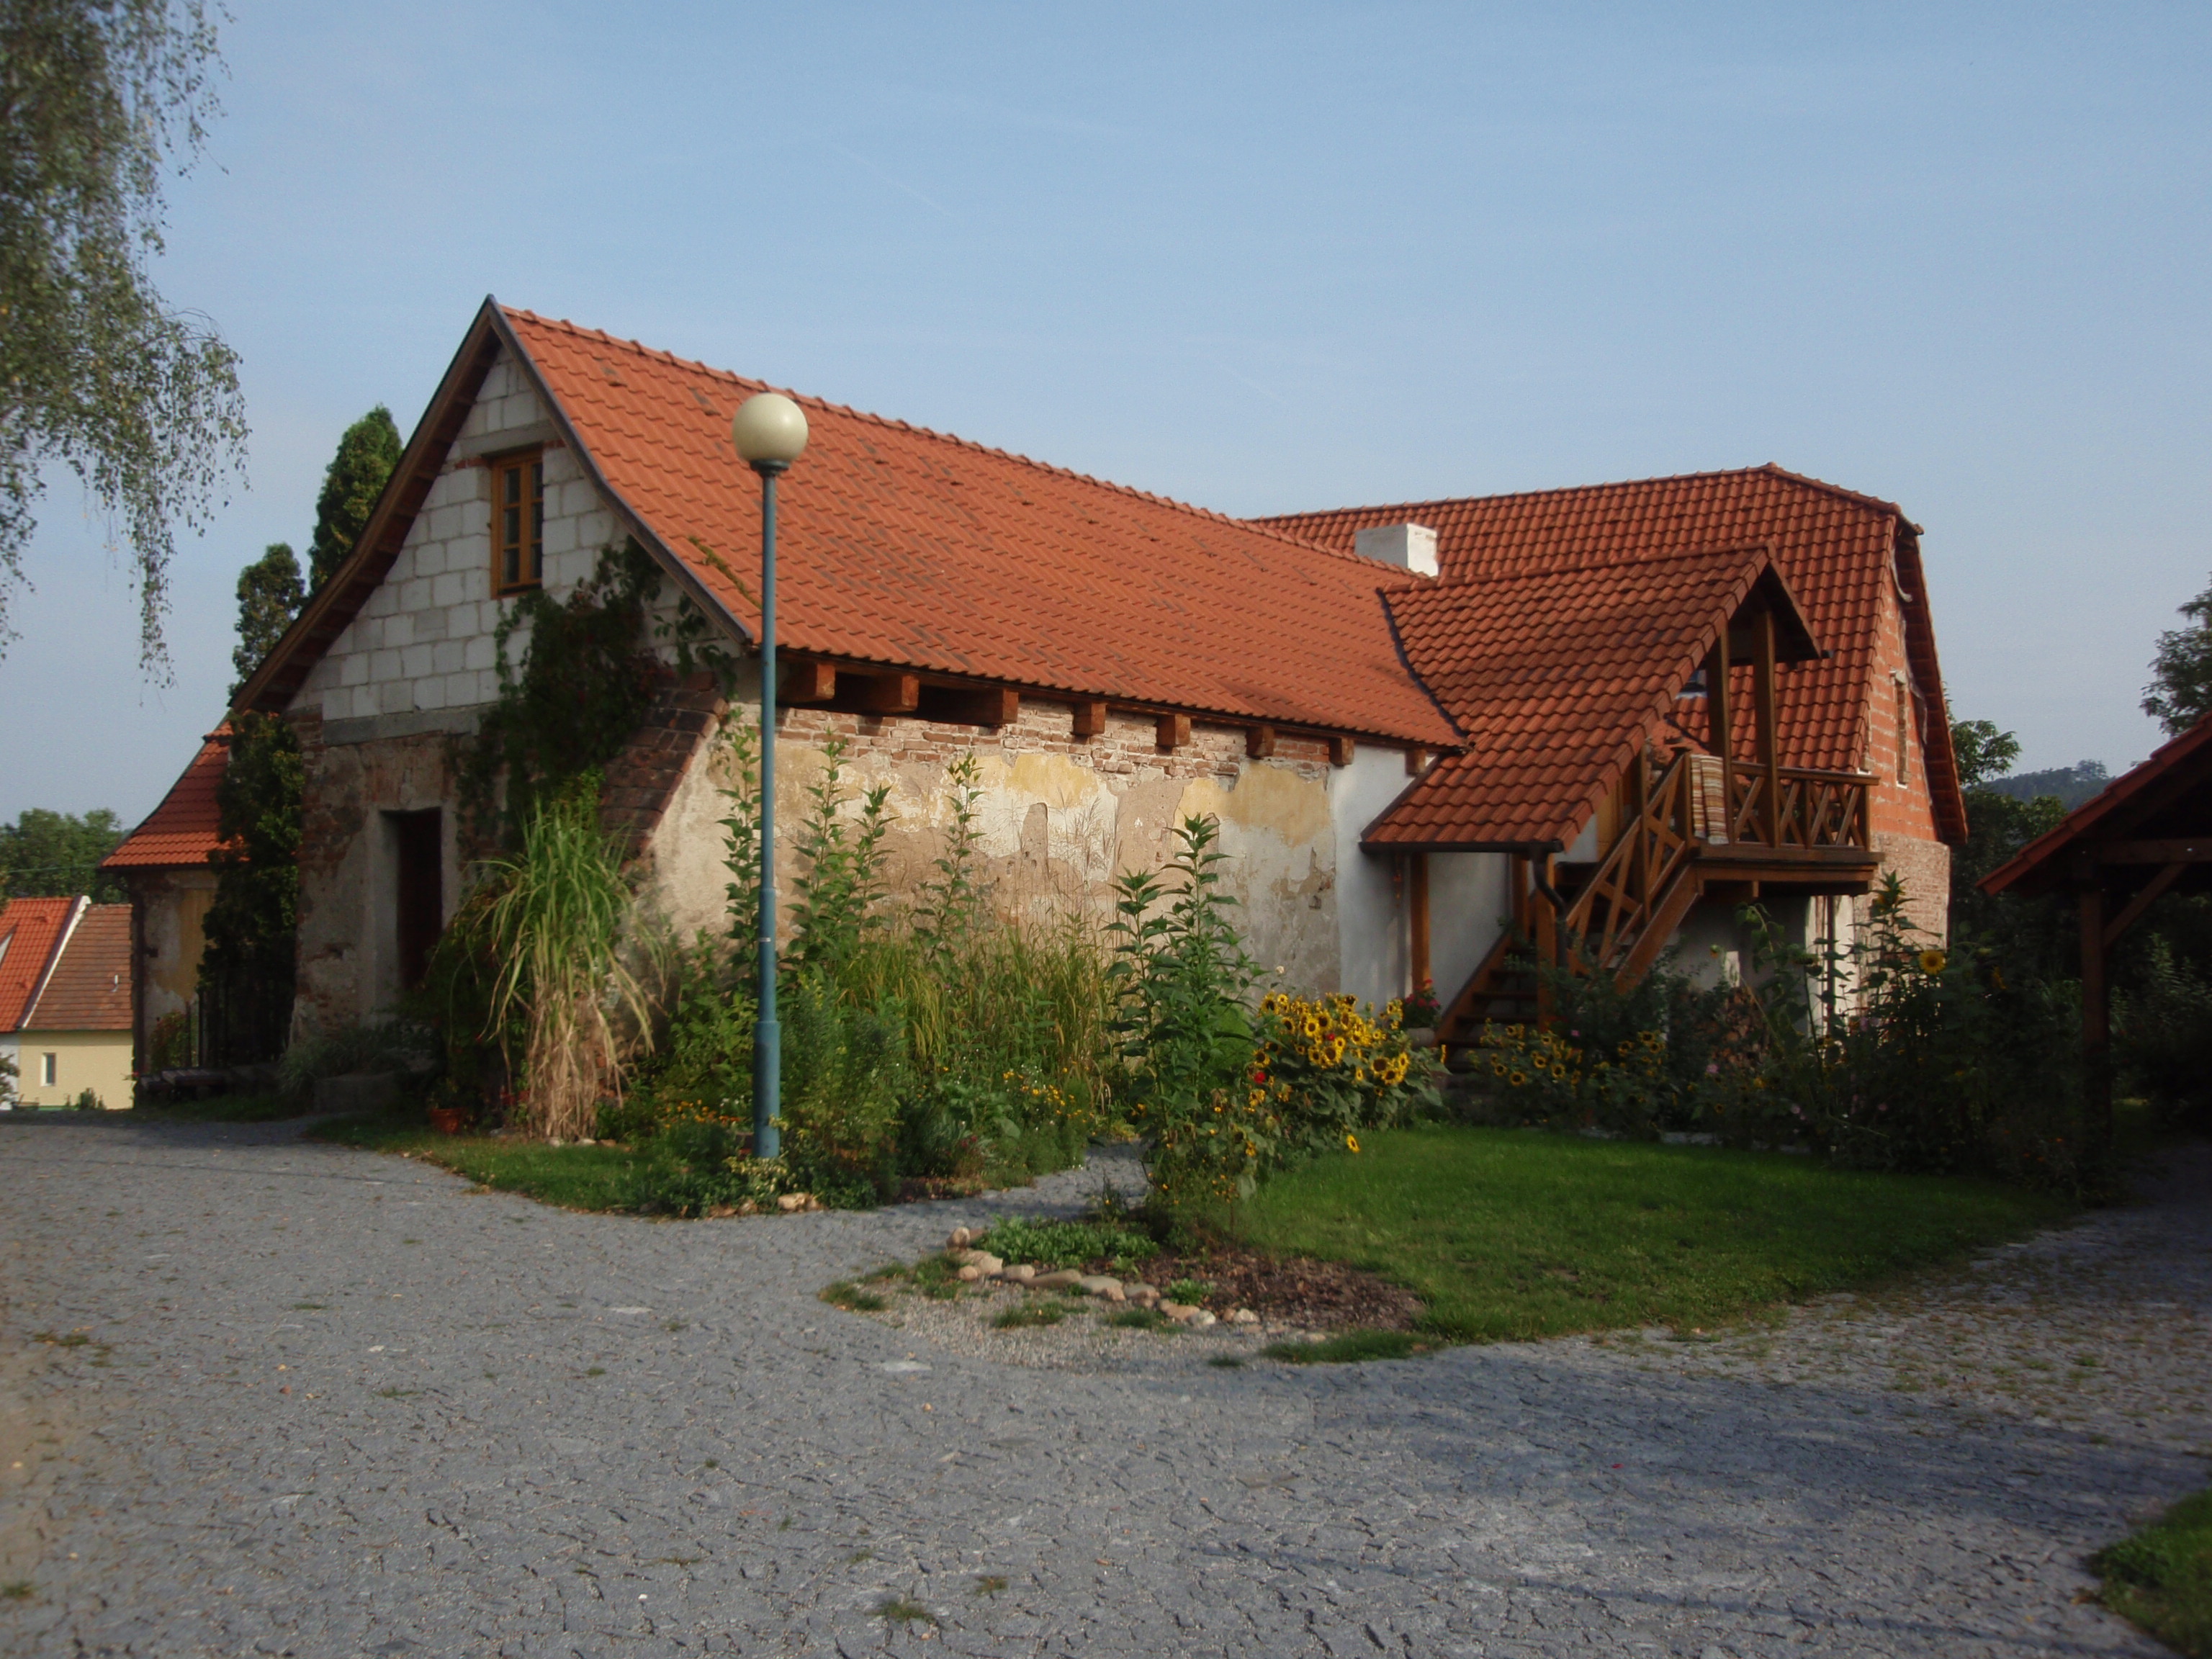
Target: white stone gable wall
[(424, 640)]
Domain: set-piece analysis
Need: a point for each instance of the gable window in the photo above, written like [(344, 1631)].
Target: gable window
[(49, 1069), (1903, 734), (518, 522)]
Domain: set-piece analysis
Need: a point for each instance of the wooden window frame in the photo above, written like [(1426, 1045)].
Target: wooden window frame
[(527, 541)]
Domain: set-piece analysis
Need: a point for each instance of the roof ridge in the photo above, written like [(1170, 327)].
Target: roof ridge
[(1211, 514), (1770, 468), (1521, 573)]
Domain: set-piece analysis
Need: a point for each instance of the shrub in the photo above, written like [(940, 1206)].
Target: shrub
[(398, 1045), (1939, 1064), (2163, 1037)]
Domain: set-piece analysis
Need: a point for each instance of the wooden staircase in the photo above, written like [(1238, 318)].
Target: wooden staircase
[(1697, 825)]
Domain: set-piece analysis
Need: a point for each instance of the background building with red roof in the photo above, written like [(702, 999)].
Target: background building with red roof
[(65, 1000), (165, 868), (1405, 757)]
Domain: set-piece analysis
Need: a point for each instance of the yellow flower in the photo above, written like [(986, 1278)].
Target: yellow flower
[(1352, 1141), (1931, 962)]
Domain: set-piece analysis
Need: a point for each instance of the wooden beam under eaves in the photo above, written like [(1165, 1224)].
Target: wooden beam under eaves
[(1260, 742), (990, 705), (1341, 749), (887, 694), (1174, 732), (1090, 717), (805, 681)]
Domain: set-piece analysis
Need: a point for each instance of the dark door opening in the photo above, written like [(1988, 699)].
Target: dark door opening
[(421, 891)]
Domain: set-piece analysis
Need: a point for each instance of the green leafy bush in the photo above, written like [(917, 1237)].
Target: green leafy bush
[(2163, 1035), (1938, 1063)]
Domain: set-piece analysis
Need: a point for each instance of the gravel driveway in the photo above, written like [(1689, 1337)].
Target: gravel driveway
[(515, 1430)]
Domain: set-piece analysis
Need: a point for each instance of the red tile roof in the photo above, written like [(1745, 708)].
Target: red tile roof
[(29, 930), (89, 988), (1558, 675), (2166, 798), (1835, 548), (905, 547), (185, 829)]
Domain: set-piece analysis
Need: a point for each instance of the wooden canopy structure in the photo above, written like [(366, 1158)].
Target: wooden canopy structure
[(2147, 834)]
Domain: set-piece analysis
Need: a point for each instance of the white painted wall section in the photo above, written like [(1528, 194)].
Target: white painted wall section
[(1370, 911)]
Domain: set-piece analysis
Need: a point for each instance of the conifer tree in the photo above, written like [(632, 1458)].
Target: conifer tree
[(269, 597), (366, 454)]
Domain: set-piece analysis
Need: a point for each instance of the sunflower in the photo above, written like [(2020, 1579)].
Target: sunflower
[(1351, 1141), (1931, 962)]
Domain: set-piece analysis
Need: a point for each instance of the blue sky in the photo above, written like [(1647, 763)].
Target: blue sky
[(1263, 258)]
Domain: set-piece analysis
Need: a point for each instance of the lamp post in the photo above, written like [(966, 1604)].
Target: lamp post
[(770, 432)]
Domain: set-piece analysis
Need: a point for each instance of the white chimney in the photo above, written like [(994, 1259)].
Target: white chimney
[(1412, 545)]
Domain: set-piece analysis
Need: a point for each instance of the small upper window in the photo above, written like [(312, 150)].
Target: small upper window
[(518, 522), (49, 1066), (1903, 734)]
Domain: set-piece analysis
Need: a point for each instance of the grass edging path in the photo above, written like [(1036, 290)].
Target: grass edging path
[(1511, 1234), (600, 1178), (2161, 1577)]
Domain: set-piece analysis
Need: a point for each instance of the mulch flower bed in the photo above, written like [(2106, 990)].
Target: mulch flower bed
[(1286, 1290)]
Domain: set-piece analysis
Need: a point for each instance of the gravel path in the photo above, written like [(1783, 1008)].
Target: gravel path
[(514, 1431)]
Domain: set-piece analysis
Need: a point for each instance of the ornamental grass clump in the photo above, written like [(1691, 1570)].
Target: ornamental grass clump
[(553, 921)]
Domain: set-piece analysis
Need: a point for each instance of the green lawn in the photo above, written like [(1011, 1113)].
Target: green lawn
[(1509, 1233), (2161, 1577), (574, 1177)]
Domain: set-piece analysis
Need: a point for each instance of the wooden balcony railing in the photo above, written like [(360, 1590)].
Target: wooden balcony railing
[(1670, 821), (1802, 809)]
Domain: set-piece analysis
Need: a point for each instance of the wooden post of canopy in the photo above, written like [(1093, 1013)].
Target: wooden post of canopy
[(1770, 758), (1417, 902), (2096, 1002)]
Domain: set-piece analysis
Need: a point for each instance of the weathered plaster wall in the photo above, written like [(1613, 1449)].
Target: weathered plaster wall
[(1058, 817), (348, 948), (169, 913)]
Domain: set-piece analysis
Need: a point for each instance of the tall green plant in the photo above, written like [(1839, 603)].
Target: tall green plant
[(1180, 971), (741, 857), (555, 925), (1182, 980), (952, 901), (839, 887)]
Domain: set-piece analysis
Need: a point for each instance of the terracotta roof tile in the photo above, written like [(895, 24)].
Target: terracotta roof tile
[(89, 989), (29, 930), (1833, 546), (183, 829), (912, 549), (1558, 675)]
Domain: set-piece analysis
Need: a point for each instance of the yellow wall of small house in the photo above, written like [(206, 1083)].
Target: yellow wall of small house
[(98, 1060)]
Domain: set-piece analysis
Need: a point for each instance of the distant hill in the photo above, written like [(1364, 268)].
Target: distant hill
[(2072, 784)]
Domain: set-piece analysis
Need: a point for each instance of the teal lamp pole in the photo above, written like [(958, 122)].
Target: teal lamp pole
[(770, 432)]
